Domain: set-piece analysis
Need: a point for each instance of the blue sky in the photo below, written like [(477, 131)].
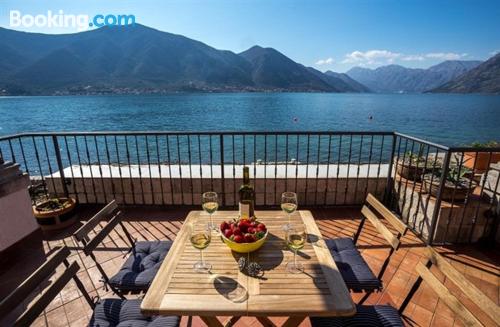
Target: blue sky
[(335, 35)]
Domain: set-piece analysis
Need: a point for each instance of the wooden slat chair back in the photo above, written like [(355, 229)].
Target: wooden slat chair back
[(468, 289), (23, 291), (113, 216), (370, 210)]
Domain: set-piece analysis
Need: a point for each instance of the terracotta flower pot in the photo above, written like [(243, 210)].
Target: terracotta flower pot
[(479, 160), (410, 171), (50, 219), (451, 191)]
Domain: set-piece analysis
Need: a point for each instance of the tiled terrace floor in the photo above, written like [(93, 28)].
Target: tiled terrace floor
[(149, 223)]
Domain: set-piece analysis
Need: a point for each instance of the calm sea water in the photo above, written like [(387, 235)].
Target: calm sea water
[(447, 119)]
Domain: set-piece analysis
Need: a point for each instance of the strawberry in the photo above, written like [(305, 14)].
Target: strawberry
[(223, 226), (251, 230), (249, 238), (228, 232), (237, 231), (261, 227), (238, 238)]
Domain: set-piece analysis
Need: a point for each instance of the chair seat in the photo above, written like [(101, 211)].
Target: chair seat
[(140, 268), (378, 315), (127, 313), (353, 268)]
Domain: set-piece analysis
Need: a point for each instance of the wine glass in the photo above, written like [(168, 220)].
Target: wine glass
[(288, 205), (200, 238), (210, 205), (295, 239)]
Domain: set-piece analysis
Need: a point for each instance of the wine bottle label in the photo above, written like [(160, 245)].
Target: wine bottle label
[(244, 210)]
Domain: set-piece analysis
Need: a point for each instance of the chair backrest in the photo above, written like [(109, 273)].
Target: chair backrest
[(467, 288), (36, 279), (82, 234), (372, 204)]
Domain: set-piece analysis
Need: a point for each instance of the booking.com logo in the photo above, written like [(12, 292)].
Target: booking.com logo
[(61, 20)]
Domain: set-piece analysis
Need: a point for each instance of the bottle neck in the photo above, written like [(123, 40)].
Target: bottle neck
[(246, 176)]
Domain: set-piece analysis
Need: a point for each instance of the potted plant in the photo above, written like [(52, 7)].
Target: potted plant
[(413, 165), (479, 161), (456, 187), (51, 212)]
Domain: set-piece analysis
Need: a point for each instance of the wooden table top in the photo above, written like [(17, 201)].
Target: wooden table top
[(318, 291)]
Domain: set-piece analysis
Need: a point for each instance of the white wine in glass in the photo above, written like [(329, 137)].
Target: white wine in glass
[(288, 205), (210, 204), (200, 238), (295, 239)]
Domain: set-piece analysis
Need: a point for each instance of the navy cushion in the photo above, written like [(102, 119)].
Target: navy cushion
[(127, 313), (353, 268), (378, 315), (140, 268)]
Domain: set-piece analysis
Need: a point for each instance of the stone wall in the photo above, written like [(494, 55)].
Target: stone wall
[(315, 185)]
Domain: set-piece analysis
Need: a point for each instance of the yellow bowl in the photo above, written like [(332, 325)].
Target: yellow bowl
[(244, 247)]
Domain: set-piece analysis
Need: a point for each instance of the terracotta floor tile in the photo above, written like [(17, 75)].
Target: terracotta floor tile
[(152, 223)]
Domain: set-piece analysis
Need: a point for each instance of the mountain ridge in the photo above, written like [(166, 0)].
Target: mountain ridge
[(399, 79), (140, 59), (485, 78)]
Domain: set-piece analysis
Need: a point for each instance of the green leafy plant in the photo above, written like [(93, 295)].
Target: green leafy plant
[(414, 158), (457, 174), (489, 144)]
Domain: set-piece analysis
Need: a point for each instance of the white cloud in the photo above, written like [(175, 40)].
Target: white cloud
[(445, 55), (327, 61), (370, 57), (492, 53), (413, 58), (385, 57)]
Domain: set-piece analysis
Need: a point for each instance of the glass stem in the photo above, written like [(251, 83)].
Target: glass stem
[(211, 221), (201, 258), (295, 258), (289, 220)]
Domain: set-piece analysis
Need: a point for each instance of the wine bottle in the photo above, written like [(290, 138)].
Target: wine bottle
[(247, 196)]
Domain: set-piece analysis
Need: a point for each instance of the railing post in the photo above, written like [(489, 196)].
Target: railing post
[(60, 165), (388, 187), (442, 182), (223, 180)]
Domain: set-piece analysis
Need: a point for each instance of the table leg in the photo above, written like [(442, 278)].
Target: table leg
[(211, 321), (231, 321), (266, 322), (293, 321)]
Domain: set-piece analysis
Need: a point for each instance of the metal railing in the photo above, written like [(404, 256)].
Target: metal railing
[(325, 168)]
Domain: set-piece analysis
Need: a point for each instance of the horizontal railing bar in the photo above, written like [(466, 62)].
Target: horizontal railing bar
[(133, 133), (416, 139), (472, 149)]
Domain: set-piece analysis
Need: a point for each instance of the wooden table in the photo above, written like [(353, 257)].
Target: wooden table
[(318, 291)]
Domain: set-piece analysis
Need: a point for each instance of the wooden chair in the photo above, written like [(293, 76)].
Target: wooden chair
[(385, 315), (354, 269), (106, 312), (140, 268)]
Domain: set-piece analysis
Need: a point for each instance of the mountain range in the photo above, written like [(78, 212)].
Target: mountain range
[(139, 59), (399, 79), (484, 78)]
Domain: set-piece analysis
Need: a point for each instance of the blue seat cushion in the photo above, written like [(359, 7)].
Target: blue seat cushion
[(378, 315), (127, 313), (353, 268), (140, 268)]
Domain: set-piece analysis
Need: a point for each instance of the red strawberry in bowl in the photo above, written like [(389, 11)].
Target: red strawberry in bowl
[(223, 226), (249, 238), (228, 232), (243, 235)]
